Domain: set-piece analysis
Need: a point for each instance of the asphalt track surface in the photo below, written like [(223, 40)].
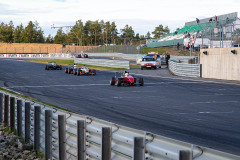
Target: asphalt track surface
[(198, 111)]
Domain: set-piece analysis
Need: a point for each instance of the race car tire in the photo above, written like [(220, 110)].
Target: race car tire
[(45, 67), (69, 72), (141, 68), (66, 70), (79, 73), (60, 67), (119, 82), (141, 82), (112, 81), (94, 72)]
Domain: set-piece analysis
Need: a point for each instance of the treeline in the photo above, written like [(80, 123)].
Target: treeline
[(91, 33)]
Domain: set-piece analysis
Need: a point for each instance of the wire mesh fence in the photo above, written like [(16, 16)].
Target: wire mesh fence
[(220, 34), (129, 49)]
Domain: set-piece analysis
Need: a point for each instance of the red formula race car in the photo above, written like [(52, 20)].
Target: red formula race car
[(125, 79)]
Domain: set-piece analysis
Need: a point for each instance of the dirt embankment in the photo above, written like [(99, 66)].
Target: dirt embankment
[(11, 147)]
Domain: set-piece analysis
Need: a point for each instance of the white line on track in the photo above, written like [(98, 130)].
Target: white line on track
[(83, 85), (184, 79), (120, 98), (10, 90), (80, 85), (217, 94), (174, 83), (214, 102), (202, 113)]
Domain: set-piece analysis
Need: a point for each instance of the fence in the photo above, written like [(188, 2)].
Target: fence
[(65, 135), (103, 62), (133, 49), (185, 69), (222, 34)]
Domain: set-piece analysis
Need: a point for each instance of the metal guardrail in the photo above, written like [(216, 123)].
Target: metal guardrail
[(185, 69), (182, 57), (69, 55), (65, 135), (121, 55), (103, 62)]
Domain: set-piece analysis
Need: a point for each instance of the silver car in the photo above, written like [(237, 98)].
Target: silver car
[(149, 62)]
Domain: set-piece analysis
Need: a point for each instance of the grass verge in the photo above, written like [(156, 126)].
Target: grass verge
[(171, 51), (133, 66), (33, 99), (70, 62)]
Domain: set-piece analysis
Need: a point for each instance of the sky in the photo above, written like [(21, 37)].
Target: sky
[(142, 15)]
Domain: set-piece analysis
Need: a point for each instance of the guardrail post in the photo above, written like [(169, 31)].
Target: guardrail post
[(6, 110), (48, 134), (37, 112), (81, 139), (185, 155), (1, 107), (19, 117), (139, 148), (62, 136), (12, 113), (27, 121), (106, 143), (200, 70)]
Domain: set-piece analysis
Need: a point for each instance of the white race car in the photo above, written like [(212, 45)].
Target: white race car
[(149, 62), (85, 71)]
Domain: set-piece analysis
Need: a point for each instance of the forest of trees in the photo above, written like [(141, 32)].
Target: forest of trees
[(91, 33)]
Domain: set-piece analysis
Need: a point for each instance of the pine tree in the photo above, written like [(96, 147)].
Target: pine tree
[(60, 37)]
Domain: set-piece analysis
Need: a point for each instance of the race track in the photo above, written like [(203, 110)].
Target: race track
[(192, 110)]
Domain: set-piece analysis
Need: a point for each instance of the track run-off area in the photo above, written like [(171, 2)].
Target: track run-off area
[(198, 111)]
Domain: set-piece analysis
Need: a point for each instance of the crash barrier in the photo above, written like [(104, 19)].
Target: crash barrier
[(40, 55), (185, 59), (69, 55), (65, 135), (120, 55), (221, 63), (185, 69), (103, 62)]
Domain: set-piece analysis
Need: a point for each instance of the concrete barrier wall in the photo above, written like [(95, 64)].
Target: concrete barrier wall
[(220, 63)]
